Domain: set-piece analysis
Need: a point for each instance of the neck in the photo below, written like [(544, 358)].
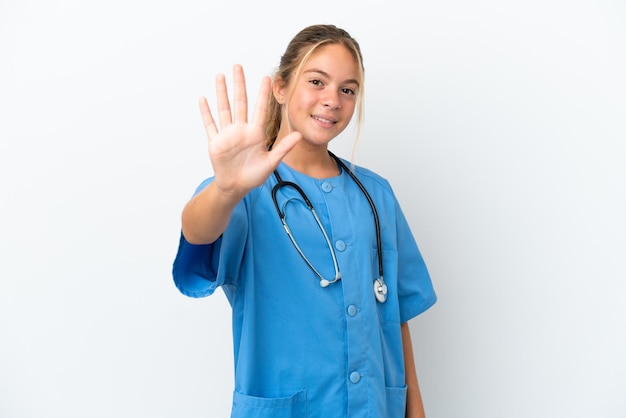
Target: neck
[(312, 160)]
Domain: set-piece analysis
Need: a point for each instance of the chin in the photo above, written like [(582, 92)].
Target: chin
[(318, 142)]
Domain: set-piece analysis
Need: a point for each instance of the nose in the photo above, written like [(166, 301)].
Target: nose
[(331, 100)]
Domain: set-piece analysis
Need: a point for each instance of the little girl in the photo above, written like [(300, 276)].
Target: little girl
[(315, 256)]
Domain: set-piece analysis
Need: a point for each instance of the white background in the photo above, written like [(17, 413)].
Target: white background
[(500, 124)]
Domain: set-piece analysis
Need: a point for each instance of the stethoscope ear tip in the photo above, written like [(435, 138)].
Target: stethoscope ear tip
[(324, 282)]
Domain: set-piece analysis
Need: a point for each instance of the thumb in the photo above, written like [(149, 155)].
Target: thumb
[(282, 148)]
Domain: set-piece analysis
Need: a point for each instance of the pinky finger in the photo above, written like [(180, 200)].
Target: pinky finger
[(207, 118)]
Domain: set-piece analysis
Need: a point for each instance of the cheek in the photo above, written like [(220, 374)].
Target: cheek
[(348, 108), (304, 102)]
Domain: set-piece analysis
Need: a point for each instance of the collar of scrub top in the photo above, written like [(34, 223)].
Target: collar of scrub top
[(380, 288)]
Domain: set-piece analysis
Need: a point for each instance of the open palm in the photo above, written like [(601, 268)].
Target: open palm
[(237, 149)]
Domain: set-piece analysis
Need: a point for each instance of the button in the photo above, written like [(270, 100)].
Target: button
[(340, 245), (327, 187), (355, 377), (352, 310)]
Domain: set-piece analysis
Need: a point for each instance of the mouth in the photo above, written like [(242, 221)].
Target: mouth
[(324, 120)]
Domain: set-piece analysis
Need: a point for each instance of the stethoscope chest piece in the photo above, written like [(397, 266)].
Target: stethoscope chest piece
[(380, 290)]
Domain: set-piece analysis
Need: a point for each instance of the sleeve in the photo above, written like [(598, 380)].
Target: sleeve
[(200, 269), (415, 289)]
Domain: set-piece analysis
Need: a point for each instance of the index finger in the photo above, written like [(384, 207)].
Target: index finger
[(260, 108)]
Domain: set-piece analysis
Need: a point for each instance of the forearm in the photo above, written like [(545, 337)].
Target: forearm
[(206, 215), (414, 404)]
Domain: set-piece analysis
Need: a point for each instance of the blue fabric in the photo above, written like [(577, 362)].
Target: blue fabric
[(301, 350)]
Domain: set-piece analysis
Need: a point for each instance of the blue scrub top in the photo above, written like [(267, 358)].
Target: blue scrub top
[(302, 350)]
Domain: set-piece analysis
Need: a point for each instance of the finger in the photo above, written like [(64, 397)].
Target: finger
[(223, 105), (207, 118), (260, 108), (240, 102)]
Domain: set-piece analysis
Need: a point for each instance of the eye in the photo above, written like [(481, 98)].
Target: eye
[(348, 91), (316, 82)]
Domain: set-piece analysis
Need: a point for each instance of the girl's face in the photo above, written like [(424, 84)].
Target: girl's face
[(320, 103)]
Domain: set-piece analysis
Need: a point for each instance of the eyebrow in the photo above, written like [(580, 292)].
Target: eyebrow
[(325, 74)]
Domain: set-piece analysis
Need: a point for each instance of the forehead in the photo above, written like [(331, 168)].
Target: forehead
[(333, 59)]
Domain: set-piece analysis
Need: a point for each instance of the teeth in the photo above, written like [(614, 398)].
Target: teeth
[(324, 120)]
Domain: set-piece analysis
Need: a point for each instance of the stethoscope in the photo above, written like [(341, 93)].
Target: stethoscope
[(380, 288)]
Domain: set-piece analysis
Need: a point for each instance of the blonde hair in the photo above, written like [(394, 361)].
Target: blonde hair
[(301, 47)]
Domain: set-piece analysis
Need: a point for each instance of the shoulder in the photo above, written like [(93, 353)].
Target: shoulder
[(203, 184), (369, 178)]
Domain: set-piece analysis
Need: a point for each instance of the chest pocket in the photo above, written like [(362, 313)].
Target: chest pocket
[(293, 406)]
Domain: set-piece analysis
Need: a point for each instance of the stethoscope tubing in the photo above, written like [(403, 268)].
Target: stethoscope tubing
[(380, 289), (379, 246), (283, 218)]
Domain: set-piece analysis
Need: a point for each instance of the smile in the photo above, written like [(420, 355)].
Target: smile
[(323, 119)]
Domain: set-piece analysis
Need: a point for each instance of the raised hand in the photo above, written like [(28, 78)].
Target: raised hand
[(237, 148)]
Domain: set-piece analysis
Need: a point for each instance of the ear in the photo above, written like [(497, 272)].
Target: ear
[(279, 90)]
